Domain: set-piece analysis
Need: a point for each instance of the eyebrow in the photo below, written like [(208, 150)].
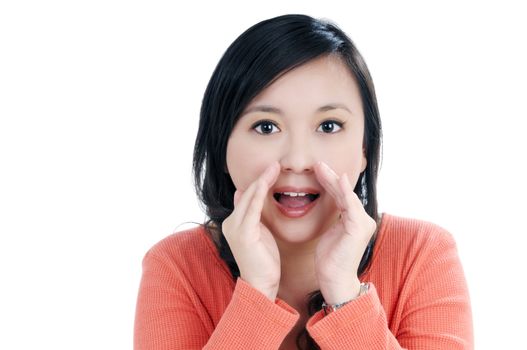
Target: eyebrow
[(271, 109)]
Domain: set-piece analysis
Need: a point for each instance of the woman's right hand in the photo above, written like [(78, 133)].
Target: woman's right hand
[(252, 244)]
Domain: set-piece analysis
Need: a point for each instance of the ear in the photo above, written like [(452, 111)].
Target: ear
[(364, 161)]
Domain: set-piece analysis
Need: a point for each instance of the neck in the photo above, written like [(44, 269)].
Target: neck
[(297, 271)]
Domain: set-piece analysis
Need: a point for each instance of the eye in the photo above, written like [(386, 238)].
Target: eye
[(265, 127), (330, 126)]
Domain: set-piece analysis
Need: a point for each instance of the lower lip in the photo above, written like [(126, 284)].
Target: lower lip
[(295, 212)]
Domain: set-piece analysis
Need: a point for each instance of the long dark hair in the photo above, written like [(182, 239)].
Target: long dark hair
[(252, 62)]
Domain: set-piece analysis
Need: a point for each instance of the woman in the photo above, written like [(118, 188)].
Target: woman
[(295, 254)]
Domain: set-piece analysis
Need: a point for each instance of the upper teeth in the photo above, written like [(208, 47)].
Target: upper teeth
[(294, 194)]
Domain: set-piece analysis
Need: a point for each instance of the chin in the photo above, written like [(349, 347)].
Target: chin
[(297, 231), (295, 235)]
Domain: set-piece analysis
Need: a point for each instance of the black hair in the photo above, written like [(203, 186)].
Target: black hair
[(258, 57)]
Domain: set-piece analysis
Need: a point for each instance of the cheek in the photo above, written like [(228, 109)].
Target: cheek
[(246, 161), (346, 158)]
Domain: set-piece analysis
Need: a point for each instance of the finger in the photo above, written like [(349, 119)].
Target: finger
[(355, 211), (237, 195), (268, 177), (330, 181), (349, 197), (254, 212), (241, 201)]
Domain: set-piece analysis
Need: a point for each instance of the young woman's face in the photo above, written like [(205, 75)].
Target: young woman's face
[(312, 113)]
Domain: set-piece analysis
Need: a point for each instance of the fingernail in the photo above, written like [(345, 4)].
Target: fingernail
[(269, 172), (325, 167), (322, 168), (270, 168)]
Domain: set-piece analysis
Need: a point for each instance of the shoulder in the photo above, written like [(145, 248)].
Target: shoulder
[(413, 231), (189, 249), (411, 238)]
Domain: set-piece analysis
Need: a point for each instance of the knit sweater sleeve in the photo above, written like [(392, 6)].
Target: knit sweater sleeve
[(434, 302), (166, 317), (252, 321)]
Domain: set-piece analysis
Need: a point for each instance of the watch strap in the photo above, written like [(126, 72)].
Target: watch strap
[(329, 308)]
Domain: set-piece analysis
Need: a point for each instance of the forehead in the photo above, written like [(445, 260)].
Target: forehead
[(319, 82)]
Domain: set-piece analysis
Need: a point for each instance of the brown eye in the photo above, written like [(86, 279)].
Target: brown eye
[(330, 126), (265, 127)]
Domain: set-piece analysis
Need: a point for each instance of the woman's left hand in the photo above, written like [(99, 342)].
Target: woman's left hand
[(341, 247)]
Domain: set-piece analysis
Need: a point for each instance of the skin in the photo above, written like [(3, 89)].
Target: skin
[(290, 257)]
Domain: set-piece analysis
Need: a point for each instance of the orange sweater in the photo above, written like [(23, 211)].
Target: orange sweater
[(418, 298)]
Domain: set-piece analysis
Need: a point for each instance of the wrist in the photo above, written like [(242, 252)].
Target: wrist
[(269, 291), (330, 307), (341, 293)]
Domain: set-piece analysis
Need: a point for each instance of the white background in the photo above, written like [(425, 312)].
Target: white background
[(99, 105)]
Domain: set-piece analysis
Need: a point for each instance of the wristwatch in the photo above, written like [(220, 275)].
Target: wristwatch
[(329, 308)]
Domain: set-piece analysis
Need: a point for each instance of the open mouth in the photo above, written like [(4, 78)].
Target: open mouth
[(295, 204), (295, 199)]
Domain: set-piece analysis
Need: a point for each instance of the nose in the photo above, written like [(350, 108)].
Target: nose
[(297, 157)]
